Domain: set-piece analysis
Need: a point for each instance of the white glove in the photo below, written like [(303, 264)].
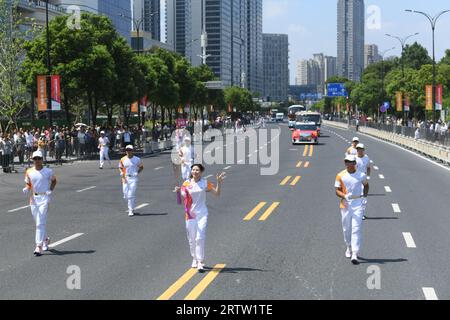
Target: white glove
[(26, 191), (49, 193), (368, 177), (364, 202), (348, 197)]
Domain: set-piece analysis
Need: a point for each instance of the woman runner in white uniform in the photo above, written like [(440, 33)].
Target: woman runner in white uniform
[(196, 212)]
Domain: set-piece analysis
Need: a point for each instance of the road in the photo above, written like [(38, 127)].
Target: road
[(269, 237)]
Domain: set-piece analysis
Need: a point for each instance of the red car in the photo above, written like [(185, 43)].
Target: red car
[(305, 133)]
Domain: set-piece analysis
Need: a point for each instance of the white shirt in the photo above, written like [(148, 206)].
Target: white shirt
[(126, 136), (39, 181), (350, 184), (197, 193), (130, 167), (103, 142), (362, 164), (187, 155), (29, 138)]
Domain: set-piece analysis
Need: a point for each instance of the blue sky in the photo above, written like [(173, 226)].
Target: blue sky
[(311, 25)]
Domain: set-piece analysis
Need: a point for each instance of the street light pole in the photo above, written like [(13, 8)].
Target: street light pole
[(382, 77), (402, 43), (49, 70), (433, 21)]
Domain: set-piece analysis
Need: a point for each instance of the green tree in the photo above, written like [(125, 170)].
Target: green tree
[(12, 38), (416, 56)]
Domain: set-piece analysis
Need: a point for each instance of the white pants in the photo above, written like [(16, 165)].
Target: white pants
[(186, 171), (196, 232), (351, 224), (104, 156), (39, 209), (129, 192)]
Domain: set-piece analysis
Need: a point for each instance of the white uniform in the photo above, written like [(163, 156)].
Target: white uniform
[(196, 215), (129, 171), (38, 183), (186, 166), (104, 150), (351, 211), (362, 164)]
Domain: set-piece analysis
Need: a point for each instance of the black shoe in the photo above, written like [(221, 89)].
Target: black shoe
[(100, 168), (37, 254)]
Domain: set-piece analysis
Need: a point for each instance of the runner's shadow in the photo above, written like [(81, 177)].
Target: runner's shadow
[(234, 270), (149, 214), (63, 253), (382, 218), (380, 261)]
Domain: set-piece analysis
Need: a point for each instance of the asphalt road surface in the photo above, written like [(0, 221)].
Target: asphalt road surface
[(269, 237)]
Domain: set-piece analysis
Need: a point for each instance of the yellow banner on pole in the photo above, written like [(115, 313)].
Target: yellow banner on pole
[(429, 98), (399, 101)]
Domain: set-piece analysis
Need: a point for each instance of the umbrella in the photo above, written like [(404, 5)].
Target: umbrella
[(80, 125)]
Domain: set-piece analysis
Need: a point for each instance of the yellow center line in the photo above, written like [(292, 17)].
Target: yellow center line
[(199, 288), (311, 151), (305, 152), (306, 164), (269, 211), (178, 284), (294, 182), (252, 213), (285, 180), (299, 164)]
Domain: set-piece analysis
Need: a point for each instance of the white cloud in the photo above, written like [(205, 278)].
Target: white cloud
[(297, 29), (275, 8)]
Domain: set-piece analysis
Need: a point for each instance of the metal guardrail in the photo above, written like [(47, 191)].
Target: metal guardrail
[(436, 151)]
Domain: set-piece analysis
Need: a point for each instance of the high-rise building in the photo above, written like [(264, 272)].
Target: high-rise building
[(255, 46), (330, 68), (119, 11), (226, 26), (276, 66), (371, 55), (350, 38), (149, 12), (316, 71)]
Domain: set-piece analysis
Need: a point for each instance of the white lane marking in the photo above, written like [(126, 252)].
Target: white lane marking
[(381, 176), (207, 177), (240, 161), (396, 208), (430, 294), (387, 188), (409, 240), (82, 190), (226, 168), (376, 168), (399, 147), (142, 206), (57, 243), (292, 149), (260, 148), (159, 168), (18, 209)]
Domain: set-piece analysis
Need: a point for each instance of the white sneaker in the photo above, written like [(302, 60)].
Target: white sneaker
[(130, 213), (194, 263), (348, 253), (46, 243), (200, 266), (355, 258)]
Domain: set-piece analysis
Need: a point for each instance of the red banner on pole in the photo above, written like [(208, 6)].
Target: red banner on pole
[(439, 97), (56, 93), (407, 103), (42, 93)]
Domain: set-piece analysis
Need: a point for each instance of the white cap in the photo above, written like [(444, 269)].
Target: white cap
[(129, 147), (102, 132), (187, 139), (355, 139), (360, 146), (37, 154), (350, 158)]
